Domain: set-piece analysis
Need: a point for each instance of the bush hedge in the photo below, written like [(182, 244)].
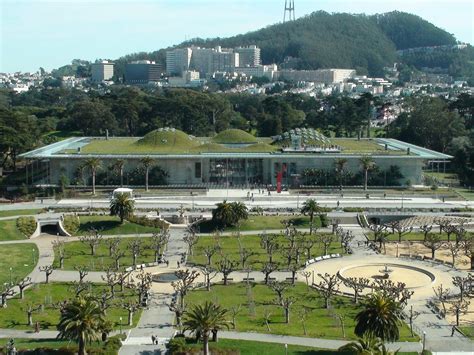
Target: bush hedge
[(26, 225), (71, 224)]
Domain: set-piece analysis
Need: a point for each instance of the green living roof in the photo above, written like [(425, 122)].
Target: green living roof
[(234, 136)]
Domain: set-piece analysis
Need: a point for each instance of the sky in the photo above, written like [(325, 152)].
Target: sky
[(49, 34)]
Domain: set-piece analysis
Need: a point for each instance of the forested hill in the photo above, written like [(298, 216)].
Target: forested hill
[(411, 31), (338, 40)]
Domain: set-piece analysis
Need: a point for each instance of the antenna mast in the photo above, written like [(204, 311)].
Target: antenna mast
[(290, 8)]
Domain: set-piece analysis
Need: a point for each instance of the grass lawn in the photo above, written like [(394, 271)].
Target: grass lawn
[(320, 322), (14, 316), (468, 330), (9, 231), (20, 257), (466, 194), (230, 247), (110, 225), (364, 146), (262, 223), (79, 254), (261, 348), (10, 213)]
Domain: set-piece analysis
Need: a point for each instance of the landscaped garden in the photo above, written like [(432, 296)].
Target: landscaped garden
[(110, 225), (10, 231), (233, 246), (21, 258), (50, 296), (258, 222), (259, 311)]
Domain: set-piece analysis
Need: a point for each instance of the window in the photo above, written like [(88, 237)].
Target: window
[(197, 170)]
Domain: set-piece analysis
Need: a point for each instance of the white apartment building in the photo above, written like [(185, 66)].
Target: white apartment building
[(326, 76), (178, 60), (249, 56), (102, 71), (269, 71)]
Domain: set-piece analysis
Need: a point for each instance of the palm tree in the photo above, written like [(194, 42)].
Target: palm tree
[(380, 317), (202, 319), (118, 166), (146, 162), (81, 320), (340, 165), (121, 205), (240, 211), (310, 207), (224, 214), (366, 163), (93, 164), (366, 346)]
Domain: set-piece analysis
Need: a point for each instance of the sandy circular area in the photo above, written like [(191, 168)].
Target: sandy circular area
[(413, 277)]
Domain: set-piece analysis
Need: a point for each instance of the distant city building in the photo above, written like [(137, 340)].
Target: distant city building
[(268, 71), (178, 60), (326, 76), (142, 72), (224, 60), (102, 71), (248, 56), (189, 78)]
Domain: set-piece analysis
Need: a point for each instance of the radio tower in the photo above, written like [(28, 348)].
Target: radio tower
[(290, 8)]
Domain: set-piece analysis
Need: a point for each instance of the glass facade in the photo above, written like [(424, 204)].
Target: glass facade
[(233, 172)]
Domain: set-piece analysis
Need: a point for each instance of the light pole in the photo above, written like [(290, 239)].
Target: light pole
[(120, 325), (397, 249), (286, 349), (424, 341), (11, 278), (402, 199), (34, 256)]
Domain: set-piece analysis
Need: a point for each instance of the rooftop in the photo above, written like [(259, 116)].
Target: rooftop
[(168, 142)]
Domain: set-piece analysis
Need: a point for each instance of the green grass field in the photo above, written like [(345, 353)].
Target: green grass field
[(466, 194), (416, 236), (468, 330), (229, 246), (364, 146), (14, 316), (21, 258), (9, 231), (110, 225), (320, 322), (79, 254), (262, 223), (10, 213)]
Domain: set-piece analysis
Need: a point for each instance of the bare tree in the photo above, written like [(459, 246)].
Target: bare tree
[(463, 284), (380, 234), (288, 254), (209, 274), (346, 237), (308, 244), (121, 278), (30, 309), (245, 255), (459, 307), (269, 243), (433, 242), (341, 318), (111, 280), (226, 267), (131, 307), (48, 270), (6, 291), (293, 269), (397, 291), (104, 301), (22, 284), (83, 272), (442, 295), (399, 228), (442, 222), (279, 288), (234, 311), (358, 285), (58, 246), (209, 252), (184, 283), (303, 314), (267, 269), (191, 238), (266, 317), (93, 238), (112, 244), (135, 246), (425, 229), (306, 275), (79, 286), (460, 232), (141, 284), (454, 249), (468, 248), (328, 287), (325, 240), (449, 229), (179, 312), (412, 315), (117, 254), (286, 302), (159, 242)]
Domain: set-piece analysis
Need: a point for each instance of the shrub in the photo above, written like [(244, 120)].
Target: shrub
[(176, 345), (324, 220), (71, 224), (26, 225), (147, 222), (353, 209)]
